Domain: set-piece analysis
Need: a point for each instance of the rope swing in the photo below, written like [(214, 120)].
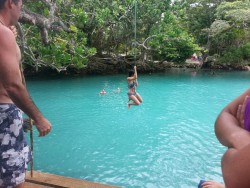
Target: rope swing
[(135, 29), (31, 147)]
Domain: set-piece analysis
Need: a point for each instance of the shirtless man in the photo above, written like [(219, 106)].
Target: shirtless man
[(230, 131), (14, 98)]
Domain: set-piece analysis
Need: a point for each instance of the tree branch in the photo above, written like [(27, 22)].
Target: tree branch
[(43, 23), (145, 41)]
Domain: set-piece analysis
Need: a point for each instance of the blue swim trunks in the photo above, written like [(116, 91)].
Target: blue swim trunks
[(14, 151)]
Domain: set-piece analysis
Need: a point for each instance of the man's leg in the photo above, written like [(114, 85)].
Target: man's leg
[(15, 153)]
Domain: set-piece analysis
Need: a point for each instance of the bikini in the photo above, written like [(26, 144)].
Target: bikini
[(130, 86), (247, 116)]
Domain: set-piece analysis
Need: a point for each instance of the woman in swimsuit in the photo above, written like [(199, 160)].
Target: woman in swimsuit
[(132, 83)]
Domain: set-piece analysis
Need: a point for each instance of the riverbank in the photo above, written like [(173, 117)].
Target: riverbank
[(106, 66)]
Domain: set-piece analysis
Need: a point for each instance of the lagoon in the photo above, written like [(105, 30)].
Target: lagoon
[(166, 142)]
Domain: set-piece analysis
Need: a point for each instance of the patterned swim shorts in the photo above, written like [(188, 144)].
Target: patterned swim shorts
[(14, 151)]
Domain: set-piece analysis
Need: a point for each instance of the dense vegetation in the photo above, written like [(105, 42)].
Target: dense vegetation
[(68, 33)]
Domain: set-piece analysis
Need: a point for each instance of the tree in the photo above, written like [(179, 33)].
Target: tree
[(66, 33), (230, 32), (44, 21)]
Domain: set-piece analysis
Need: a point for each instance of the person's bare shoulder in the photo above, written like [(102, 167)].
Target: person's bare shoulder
[(9, 64), (7, 43), (7, 39)]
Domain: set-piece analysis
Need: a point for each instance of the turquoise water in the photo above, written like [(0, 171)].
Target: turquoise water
[(167, 142)]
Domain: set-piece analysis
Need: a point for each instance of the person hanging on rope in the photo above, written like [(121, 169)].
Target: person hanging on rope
[(132, 84), (14, 98)]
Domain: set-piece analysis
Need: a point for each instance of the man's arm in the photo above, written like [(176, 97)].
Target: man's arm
[(11, 80)]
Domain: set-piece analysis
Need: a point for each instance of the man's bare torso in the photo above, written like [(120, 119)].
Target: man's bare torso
[(4, 98)]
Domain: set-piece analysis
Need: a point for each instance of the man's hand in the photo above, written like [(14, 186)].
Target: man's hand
[(43, 126)]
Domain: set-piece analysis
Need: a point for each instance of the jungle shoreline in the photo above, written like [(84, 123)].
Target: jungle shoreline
[(109, 66)]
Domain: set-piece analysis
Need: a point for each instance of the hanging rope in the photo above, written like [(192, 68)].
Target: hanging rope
[(135, 29), (31, 147), (135, 34)]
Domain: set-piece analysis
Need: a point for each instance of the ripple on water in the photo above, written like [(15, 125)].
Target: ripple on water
[(168, 141)]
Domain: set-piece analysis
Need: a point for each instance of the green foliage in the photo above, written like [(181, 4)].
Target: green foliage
[(172, 43), (175, 50), (231, 56), (219, 26), (246, 51), (196, 16), (64, 48), (169, 40), (231, 30), (235, 55), (237, 12), (61, 51), (102, 27)]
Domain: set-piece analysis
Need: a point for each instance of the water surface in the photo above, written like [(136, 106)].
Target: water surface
[(167, 142)]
